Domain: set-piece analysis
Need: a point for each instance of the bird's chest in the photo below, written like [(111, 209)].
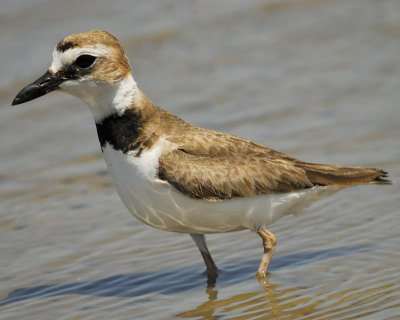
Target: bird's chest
[(130, 170), (156, 202), (134, 176)]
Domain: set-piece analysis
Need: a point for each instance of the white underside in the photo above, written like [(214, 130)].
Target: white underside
[(160, 205)]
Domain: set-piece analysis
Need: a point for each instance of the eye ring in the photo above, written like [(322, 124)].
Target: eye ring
[(85, 61)]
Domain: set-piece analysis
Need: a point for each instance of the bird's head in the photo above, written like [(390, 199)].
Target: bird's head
[(91, 66)]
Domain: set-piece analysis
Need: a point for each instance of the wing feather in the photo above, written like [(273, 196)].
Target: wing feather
[(225, 177), (213, 165)]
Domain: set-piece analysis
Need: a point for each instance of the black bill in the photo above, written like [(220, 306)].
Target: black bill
[(45, 84)]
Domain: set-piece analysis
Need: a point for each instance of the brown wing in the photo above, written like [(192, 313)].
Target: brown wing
[(225, 177), (215, 165), (332, 174)]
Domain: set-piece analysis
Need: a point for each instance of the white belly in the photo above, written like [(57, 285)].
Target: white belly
[(160, 205)]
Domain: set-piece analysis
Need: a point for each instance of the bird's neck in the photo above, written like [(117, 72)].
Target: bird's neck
[(112, 99), (122, 115), (128, 121)]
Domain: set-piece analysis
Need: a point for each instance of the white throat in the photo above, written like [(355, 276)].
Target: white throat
[(102, 98)]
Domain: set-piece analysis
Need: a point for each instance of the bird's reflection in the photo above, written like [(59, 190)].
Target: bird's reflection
[(267, 300), (235, 281), (270, 300)]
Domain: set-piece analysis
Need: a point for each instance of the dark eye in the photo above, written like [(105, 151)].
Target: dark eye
[(85, 61)]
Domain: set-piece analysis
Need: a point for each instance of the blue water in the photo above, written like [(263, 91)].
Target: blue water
[(317, 80)]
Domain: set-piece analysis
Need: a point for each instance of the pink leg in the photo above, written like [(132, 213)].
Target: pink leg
[(269, 243)]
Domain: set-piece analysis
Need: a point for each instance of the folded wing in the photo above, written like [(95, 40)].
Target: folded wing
[(217, 166)]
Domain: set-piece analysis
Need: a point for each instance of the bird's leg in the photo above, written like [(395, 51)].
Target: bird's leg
[(199, 239), (269, 243)]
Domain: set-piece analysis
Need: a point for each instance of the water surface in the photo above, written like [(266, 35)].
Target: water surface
[(318, 80)]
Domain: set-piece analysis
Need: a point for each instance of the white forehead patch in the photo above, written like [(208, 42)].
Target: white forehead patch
[(61, 59)]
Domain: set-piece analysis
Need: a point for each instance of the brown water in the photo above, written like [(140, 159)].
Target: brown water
[(319, 80)]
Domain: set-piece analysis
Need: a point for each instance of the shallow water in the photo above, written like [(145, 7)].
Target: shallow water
[(318, 80)]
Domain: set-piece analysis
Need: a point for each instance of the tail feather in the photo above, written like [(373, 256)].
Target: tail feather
[(326, 174), (381, 179)]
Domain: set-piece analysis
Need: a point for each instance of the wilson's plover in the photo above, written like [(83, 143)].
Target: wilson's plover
[(174, 176)]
